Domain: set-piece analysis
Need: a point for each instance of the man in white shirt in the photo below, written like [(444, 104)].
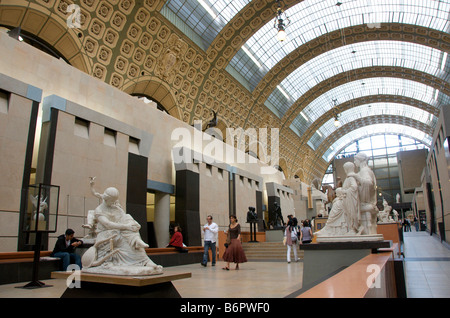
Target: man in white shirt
[(210, 230)]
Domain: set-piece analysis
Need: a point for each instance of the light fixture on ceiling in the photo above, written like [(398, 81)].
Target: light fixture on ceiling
[(281, 24), (337, 123)]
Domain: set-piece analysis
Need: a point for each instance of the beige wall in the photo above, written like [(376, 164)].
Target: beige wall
[(14, 128), (213, 194), (438, 163), (77, 157)]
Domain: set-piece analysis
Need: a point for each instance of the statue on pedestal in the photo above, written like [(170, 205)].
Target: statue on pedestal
[(344, 215), (252, 217), (353, 216), (383, 215), (367, 184), (118, 247), (276, 218)]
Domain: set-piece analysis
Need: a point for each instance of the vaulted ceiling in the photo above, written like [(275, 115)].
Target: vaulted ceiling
[(381, 66)]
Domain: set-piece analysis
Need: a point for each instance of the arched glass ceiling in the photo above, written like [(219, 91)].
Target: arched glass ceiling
[(366, 87), (205, 17), (373, 109), (375, 53), (312, 18), (376, 129)]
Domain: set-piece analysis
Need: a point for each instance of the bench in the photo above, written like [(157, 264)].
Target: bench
[(18, 266)]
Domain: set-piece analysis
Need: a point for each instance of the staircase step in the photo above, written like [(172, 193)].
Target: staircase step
[(267, 250)]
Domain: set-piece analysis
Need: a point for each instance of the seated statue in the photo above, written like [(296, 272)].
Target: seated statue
[(118, 247), (383, 215)]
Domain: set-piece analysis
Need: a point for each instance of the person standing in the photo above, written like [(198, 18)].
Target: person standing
[(65, 249), (210, 230), (305, 233), (234, 252), (291, 240)]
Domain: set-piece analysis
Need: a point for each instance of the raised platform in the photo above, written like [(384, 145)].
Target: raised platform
[(322, 259), (115, 286), (350, 238)]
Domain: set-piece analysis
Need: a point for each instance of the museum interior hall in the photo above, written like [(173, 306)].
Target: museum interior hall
[(225, 149)]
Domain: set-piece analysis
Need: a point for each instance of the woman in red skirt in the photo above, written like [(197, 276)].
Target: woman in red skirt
[(234, 252)]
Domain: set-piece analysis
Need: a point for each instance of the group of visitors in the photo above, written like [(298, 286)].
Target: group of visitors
[(234, 253), (295, 234)]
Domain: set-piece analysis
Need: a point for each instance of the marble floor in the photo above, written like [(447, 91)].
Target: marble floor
[(427, 266), (427, 271)]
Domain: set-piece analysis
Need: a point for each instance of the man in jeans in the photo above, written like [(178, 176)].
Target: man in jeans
[(210, 230), (65, 249)]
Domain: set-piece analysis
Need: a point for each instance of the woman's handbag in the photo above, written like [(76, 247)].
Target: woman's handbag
[(228, 240)]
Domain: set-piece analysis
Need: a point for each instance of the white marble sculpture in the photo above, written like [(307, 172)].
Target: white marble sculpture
[(118, 248), (353, 216), (42, 207), (344, 215), (395, 215), (384, 215), (367, 184)]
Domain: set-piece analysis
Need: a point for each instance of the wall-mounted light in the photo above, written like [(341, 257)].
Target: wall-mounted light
[(281, 24), (15, 33)]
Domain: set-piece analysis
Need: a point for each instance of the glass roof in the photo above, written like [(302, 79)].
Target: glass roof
[(373, 109), (367, 87), (354, 56), (205, 17), (311, 19), (375, 130)]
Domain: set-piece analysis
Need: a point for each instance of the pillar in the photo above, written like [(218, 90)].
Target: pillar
[(162, 218)]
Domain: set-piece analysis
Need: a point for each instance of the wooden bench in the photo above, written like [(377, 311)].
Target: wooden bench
[(20, 257), (171, 250), (17, 266), (28, 256)]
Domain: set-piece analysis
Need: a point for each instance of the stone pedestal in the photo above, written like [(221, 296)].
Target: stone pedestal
[(274, 235), (115, 286), (322, 260)]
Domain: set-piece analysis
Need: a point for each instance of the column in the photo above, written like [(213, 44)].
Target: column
[(162, 218)]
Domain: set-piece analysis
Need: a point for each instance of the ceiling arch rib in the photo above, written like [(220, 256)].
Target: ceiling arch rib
[(368, 110), (343, 141), (312, 19), (363, 87), (357, 56), (367, 100), (370, 124)]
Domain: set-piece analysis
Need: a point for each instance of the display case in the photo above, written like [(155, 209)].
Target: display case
[(41, 211)]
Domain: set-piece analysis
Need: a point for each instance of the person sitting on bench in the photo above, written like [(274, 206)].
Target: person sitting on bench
[(65, 249)]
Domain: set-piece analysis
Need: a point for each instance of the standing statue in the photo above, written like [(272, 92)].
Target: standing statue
[(344, 216), (367, 194), (118, 247), (276, 218)]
